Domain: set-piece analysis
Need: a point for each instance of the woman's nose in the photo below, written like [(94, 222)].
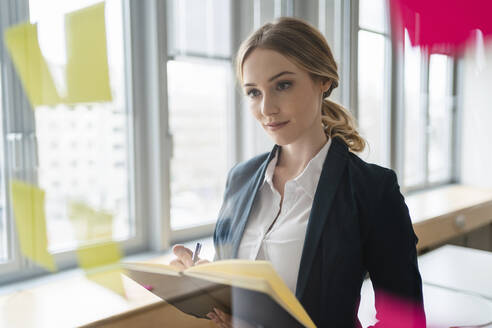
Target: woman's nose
[(268, 106)]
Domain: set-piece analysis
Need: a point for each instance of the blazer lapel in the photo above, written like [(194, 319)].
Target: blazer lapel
[(249, 197), (329, 180)]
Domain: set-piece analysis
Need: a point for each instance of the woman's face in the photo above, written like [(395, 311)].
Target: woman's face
[(281, 93)]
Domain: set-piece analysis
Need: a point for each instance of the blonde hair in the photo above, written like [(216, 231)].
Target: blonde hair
[(306, 47)]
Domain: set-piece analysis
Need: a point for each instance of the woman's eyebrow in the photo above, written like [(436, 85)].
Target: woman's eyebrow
[(272, 78)]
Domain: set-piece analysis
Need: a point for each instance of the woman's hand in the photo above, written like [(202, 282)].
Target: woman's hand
[(224, 320), (184, 257)]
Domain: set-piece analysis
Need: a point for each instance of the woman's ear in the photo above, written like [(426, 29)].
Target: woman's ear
[(325, 88), (325, 85)]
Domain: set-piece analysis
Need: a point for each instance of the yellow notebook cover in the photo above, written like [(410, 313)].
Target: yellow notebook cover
[(250, 290)]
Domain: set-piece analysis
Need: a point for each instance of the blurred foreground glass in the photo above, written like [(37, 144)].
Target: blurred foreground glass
[(198, 104), (84, 149)]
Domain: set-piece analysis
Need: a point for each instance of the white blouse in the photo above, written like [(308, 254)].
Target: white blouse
[(283, 244)]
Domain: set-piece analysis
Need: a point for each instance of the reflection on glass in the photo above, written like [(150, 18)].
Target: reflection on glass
[(372, 15), (199, 27), (415, 132), (83, 149), (198, 105), (3, 214), (440, 118), (371, 88)]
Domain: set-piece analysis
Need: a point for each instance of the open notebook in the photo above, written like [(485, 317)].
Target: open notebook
[(249, 290)]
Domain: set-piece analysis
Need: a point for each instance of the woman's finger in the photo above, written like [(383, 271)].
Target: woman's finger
[(224, 318), (184, 254), (177, 263), (215, 319)]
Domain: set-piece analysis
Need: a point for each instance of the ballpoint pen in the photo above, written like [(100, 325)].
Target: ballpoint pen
[(198, 247)]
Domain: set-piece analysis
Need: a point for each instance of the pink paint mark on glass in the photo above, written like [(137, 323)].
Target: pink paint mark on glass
[(394, 311), (441, 26)]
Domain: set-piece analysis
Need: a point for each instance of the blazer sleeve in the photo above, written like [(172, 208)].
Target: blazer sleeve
[(391, 259), (217, 236)]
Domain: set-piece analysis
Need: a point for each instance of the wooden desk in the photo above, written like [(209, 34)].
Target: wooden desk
[(458, 268), (79, 302), (447, 212)]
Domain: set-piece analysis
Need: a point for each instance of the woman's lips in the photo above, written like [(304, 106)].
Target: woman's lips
[(276, 126)]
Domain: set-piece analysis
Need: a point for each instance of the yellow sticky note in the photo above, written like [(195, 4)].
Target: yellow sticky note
[(101, 264), (109, 277), (23, 46), (28, 205), (90, 224), (87, 61)]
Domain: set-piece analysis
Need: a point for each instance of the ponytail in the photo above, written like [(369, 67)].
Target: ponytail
[(339, 122)]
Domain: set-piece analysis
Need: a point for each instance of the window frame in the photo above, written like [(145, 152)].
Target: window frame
[(387, 133), (452, 81)]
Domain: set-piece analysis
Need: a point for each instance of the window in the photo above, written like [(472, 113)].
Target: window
[(429, 116), (199, 88), (423, 152), (79, 148), (374, 67), (83, 149), (198, 104), (440, 118)]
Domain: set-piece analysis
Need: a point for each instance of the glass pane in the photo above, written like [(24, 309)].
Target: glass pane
[(440, 118), (330, 24), (199, 27), (198, 105), (3, 212), (84, 148), (373, 114), (414, 165), (372, 15)]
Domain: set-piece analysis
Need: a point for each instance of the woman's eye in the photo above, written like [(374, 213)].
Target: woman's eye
[(283, 85), (253, 93)]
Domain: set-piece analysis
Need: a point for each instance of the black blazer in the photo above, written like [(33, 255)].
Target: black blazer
[(359, 223)]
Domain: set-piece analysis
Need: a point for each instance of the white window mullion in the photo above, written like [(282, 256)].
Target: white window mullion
[(153, 142)]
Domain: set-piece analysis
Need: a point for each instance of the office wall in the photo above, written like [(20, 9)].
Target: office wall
[(476, 133)]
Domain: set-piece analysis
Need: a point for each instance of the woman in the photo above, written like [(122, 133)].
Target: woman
[(319, 213)]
